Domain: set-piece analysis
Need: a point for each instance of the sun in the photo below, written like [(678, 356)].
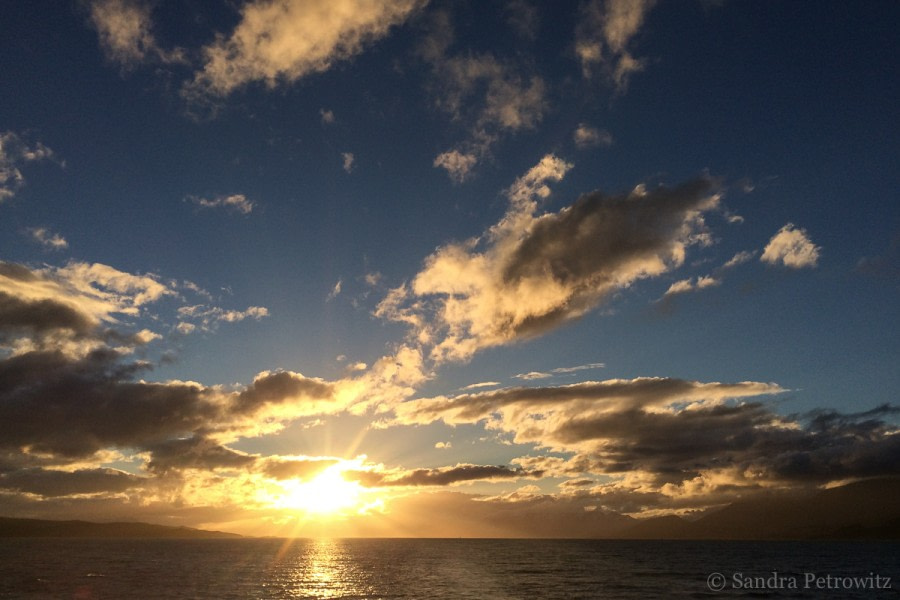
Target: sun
[(328, 493)]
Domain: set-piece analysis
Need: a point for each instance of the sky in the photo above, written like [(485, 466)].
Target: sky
[(302, 267)]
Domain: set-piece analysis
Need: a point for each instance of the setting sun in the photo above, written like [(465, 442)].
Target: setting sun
[(325, 494)]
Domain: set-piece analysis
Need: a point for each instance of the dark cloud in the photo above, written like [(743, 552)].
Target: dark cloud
[(440, 477), (195, 453), (49, 483), (73, 391), (622, 393), (577, 483), (40, 316), (591, 245), (295, 468), (75, 407), (745, 438), (600, 234), (670, 431), (280, 386), (531, 272)]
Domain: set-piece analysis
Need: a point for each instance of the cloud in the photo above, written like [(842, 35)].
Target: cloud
[(125, 31), (66, 388), (603, 36), (281, 467), (589, 366), (236, 202), (75, 407), (71, 301), (586, 136), (53, 483), (195, 452), (691, 285), (208, 317), (443, 476), (532, 272), (335, 291), (70, 408), (592, 397), (535, 375), (532, 375), (443, 445), (491, 96), (14, 153), (348, 159), (281, 41), (523, 17), (483, 384), (280, 387), (49, 240), (457, 164), (327, 116), (739, 259), (670, 432), (792, 248)]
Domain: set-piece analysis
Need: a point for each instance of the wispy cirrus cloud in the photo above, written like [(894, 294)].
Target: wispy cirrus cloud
[(481, 384), (235, 202), (535, 375), (206, 316)]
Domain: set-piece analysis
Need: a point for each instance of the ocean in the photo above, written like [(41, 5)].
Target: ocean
[(239, 569)]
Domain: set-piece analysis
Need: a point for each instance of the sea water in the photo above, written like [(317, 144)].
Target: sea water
[(443, 569)]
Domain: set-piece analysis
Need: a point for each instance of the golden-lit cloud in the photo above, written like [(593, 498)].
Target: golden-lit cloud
[(680, 439), (586, 136), (689, 285), (492, 96), (457, 164), (791, 247), (281, 41), (604, 34), (533, 271), (125, 28)]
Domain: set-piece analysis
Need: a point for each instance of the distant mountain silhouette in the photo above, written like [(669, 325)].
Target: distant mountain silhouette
[(863, 510), (85, 529)]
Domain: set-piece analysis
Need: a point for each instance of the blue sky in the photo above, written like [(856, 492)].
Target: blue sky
[(313, 225)]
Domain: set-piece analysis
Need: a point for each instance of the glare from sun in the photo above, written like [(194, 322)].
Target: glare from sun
[(328, 493)]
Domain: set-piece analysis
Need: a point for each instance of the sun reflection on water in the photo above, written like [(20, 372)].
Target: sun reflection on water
[(325, 568)]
